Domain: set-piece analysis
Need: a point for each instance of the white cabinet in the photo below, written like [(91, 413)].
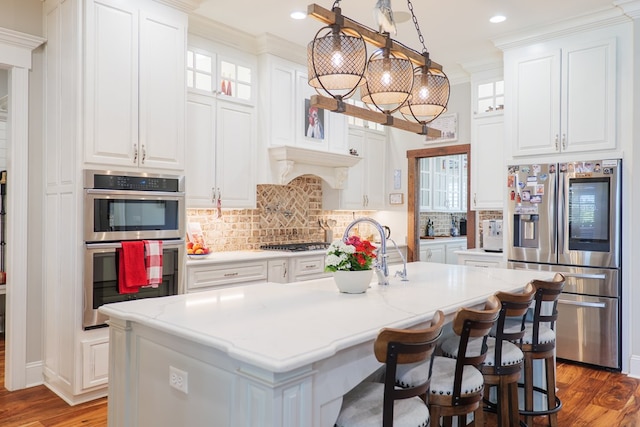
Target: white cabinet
[(562, 96), (284, 103), (278, 270), (365, 187), (449, 178), (95, 362), (487, 162), (215, 276), (307, 267), (441, 250), (479, 258), (221, 147), (135, 93), (432, 252)]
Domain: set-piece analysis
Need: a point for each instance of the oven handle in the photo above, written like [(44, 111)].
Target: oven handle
[(114, 245), (101, 191), (585, 276)]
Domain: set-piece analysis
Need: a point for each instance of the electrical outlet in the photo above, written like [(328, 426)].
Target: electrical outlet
[(178, 379)]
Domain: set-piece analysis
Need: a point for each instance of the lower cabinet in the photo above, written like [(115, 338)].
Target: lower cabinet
[(432, 252), (442, 250), (307, 267), (210, 276), (278, 270), (479, 258), (95, 362)]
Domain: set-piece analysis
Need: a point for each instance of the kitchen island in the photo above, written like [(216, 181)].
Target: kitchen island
[(271, 354)]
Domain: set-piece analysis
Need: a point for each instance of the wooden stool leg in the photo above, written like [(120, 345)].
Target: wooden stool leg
[(503, 403), (514, 414), (528, 387), (551, 389), (434, 415), (478, 416)]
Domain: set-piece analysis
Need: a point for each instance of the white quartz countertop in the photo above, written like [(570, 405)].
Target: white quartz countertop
[(281, 327)]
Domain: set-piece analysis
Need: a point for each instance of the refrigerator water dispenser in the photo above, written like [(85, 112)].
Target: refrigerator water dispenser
[(525, 233)]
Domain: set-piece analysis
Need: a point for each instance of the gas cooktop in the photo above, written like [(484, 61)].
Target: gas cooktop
[(296, 247)]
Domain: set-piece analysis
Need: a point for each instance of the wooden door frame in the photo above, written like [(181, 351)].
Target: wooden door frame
[(413, 156)]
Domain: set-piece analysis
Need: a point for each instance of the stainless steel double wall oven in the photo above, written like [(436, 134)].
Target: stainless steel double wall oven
[(566, 217), (124, 206)]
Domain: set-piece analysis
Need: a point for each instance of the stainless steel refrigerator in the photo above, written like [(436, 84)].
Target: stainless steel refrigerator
[(566, 217)]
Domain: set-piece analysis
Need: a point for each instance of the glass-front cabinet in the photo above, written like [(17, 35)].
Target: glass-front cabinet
[(443, 183)]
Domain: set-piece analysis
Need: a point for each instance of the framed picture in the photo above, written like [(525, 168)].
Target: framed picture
[(396, 198), (448, 125), (313, 121)]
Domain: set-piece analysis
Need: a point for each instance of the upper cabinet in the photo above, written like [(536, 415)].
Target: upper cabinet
[(364, 189), (443, 183), (561, 95), (289, 119), (221, 131), (487, 139), (135, 84)]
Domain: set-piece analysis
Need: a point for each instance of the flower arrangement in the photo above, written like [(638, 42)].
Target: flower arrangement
[(353, 255)]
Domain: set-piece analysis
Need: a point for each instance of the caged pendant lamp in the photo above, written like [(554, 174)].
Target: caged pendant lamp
[(389, 79), (431, 88), (429, 95), (336, 60)]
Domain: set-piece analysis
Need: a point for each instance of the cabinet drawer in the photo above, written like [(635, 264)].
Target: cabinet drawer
[(477, 263), (302, 267), (201, 277)]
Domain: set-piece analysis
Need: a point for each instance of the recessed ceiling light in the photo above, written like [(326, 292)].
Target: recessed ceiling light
[(497, 18), (296, 14)]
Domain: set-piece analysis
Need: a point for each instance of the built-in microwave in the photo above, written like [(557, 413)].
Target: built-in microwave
[(133, 206)]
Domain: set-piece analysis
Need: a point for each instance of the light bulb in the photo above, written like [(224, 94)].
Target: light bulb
[(423, 93), (337, 59), (386, 78)]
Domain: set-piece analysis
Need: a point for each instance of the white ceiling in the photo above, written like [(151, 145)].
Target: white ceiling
[(455, 31)]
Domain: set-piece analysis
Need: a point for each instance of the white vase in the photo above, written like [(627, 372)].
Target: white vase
[(353, 282)]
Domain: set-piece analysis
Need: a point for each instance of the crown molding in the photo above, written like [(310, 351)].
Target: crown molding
[(590, 21), (221, 33), (631, 8), (183, 5)]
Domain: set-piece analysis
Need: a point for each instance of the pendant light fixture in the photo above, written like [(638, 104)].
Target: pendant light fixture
[(431, 88), (336, 60), (389, 79), (394, 78)]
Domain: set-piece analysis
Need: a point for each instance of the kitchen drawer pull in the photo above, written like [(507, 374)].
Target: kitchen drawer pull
[(308, 267), (582, 304), (231, 274)]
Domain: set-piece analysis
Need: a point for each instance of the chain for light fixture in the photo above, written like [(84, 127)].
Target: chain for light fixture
[(431, 89)]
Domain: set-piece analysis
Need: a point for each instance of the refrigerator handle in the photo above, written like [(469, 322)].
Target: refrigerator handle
[(582, 304), (559, 225)]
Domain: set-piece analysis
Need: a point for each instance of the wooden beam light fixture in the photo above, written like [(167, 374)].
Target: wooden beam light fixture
[(337, 68)]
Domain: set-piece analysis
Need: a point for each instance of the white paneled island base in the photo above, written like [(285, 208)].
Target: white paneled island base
[(279, 355)]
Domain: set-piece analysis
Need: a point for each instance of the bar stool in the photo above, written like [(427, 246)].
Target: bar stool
[(505, 359), (539, 343), (371, 403), (457, 384)]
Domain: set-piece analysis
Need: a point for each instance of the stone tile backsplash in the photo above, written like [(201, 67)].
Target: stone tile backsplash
[(290, 214), (284, 214)]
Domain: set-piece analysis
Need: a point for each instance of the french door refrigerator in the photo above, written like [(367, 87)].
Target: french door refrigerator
[(566, 217)]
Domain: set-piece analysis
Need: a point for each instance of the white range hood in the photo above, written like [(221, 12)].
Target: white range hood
[(293, 162)]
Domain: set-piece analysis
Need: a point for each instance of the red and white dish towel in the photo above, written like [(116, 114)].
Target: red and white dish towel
[(153, 262), (131, 270), (139, 265)]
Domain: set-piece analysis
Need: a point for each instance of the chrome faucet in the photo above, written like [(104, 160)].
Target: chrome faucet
[(382, 271), (402, 274)]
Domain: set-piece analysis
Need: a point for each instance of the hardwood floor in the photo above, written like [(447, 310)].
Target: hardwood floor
[(40, 407), (590, 397)]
